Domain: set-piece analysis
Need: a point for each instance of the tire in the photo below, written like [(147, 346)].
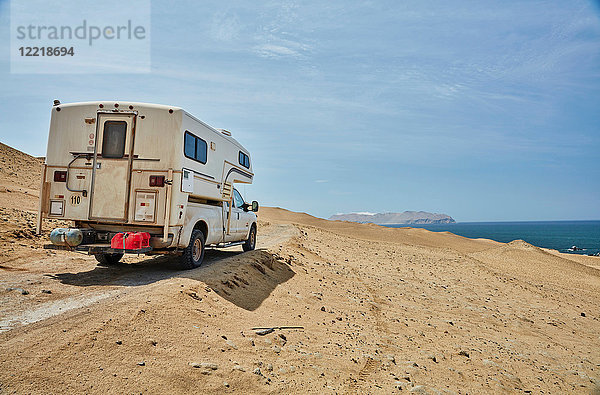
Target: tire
[(108, 259), (194, 253), (250, 244)]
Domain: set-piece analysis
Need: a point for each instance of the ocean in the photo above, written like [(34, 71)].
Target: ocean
[(558, 235)]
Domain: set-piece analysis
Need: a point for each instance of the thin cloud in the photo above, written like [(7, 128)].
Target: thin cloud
[(275, 51)]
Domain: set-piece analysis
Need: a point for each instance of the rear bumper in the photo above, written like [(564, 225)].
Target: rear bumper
[(93, 249)]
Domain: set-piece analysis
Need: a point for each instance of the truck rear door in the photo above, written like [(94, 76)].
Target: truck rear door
[(112, 166)]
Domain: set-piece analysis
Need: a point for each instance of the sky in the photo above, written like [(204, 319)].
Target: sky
[(482, 110)]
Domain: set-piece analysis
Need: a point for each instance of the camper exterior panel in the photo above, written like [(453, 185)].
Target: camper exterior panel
[(179, 201), (140, 181), (69, 132), (76, 205), (222, 156), (206, 175)]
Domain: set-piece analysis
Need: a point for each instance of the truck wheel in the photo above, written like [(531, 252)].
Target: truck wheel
[(108, 259), (194, 253), (251, 242)]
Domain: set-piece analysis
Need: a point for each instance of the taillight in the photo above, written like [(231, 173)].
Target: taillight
[(60, 176), (157, 181)]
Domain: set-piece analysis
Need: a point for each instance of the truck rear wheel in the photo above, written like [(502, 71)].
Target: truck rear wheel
[(108, 259), (250, 244), (194, 253)]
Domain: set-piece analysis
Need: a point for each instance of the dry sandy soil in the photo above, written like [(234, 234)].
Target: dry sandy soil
[(383, 310)]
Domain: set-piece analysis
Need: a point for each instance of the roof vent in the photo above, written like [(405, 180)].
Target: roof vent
[(225, 132)]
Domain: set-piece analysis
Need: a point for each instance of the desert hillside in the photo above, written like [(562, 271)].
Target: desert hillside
[(19, 178), (371, 310)]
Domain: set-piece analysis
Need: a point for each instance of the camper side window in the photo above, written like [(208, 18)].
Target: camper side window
[(113, 139), (201, 149), (244, 160), (195, 148), (190, 146)]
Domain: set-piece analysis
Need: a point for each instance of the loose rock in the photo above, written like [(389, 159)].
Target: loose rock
[(419, 389), (231, 344), (400, 385), (262, 332), (21, 290), (205, 365)]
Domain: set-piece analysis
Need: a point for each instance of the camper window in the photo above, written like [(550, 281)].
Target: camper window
[(113, 140), (201, 149), (190, 146), (244, 160), (194, 147)]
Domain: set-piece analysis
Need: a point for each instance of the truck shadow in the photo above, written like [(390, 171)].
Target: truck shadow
[(244, 279)]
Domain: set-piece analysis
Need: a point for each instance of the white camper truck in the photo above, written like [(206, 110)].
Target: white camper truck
[(115, 167)]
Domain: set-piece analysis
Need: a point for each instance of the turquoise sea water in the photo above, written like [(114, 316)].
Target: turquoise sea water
[(558, 235)]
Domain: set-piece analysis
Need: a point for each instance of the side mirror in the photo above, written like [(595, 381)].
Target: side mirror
[(254, 206)]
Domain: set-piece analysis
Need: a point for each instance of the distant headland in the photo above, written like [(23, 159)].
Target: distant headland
[(407, 217)]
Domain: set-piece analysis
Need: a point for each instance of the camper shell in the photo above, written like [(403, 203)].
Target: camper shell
[(115, 166)]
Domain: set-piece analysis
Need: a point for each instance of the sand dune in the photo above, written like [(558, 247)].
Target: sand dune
[(380, 233), (383, 310)]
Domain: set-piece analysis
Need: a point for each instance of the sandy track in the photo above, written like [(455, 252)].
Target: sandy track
[(114, 282)]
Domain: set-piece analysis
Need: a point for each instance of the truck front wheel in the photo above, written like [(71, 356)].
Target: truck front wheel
[(251, 242), (108, 259), (194, 253)]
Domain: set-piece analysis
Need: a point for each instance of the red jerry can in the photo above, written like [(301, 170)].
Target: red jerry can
[(130, 240), (117, 241), (135, 241)]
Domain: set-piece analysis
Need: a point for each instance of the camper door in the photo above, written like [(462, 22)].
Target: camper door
[(112, 166)]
